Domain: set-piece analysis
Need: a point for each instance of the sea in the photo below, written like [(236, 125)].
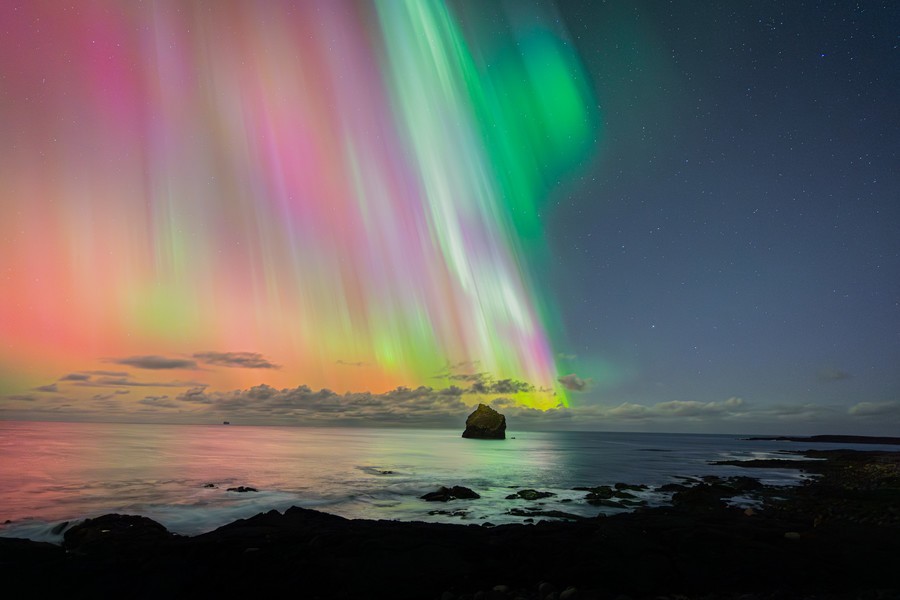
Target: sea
[(52, 475)]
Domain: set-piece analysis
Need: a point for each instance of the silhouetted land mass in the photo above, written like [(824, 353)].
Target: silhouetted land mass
[(833, 439), (837, 535)]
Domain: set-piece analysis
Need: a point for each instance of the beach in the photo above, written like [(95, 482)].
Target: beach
[(836, 535)]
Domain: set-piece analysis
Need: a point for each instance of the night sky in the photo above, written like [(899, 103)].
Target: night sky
[(597, 215), (738, 234)]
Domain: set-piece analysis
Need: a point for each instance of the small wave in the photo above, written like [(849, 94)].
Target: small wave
[(39, 531)]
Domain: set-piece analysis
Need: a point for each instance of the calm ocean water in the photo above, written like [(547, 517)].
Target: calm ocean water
[(55, 472)]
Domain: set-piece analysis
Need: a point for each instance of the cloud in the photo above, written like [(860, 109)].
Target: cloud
[(240, 360), (564, 356), (465, 376), (158, 402), (503, 386), (674, 410), (127, 382), (22, 397), (483, 383), (428, 407), (195, 394), (466, 365), (573, 382), (875, 410), (75, 377), (51, 387), (156, 362), (421, 406), (351, 364), (796, 412), (692, 408), (833, 375), (629, 410), (462, 371), (108, 373)]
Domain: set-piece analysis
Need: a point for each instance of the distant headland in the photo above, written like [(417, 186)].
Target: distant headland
[(831, 439)]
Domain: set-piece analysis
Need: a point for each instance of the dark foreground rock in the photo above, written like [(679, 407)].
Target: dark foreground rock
[(116, 533), (485, 423), (832, 538)]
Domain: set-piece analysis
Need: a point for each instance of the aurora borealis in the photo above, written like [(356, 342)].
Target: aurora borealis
[(633, 216), (349, 189)]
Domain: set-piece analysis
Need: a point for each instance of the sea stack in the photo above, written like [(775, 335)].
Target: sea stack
[(485, 424)]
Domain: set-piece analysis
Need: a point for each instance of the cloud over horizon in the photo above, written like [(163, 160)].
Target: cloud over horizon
[(241, 360), (875, 410), (573, 382), (155, 362), (424, 406)]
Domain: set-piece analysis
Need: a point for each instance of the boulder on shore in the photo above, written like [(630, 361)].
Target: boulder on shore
[(485, 423), (457, 492)]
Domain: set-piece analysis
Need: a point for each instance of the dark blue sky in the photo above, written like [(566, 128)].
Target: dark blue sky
[(738, 234)]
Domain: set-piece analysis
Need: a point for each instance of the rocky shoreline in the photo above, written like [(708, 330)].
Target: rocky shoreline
[(835, 536)]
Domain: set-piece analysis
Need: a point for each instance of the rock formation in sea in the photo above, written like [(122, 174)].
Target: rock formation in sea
[(457, 492), (485, 423)]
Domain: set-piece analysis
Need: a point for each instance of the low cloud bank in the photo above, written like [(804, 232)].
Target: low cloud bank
[(422, 406), (425, 406)]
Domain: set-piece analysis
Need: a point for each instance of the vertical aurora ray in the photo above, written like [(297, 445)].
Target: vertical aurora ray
[(327, 183)]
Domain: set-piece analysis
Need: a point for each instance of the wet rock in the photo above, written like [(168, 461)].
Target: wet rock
[(114, 534), (444, 494), (16, 553), (603, 495), (671, 487), (533, 512), (545, 588), (449, 513), (529, 495), (627, 486), (702, 496), (242, 489), (570, 593), (485, 423), (744, 484), (623, 495)]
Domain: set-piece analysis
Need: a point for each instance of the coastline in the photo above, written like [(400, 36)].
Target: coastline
[(831, 439), (836, 535)]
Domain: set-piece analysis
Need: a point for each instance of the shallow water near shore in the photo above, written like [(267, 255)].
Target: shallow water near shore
[(179, 474)]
